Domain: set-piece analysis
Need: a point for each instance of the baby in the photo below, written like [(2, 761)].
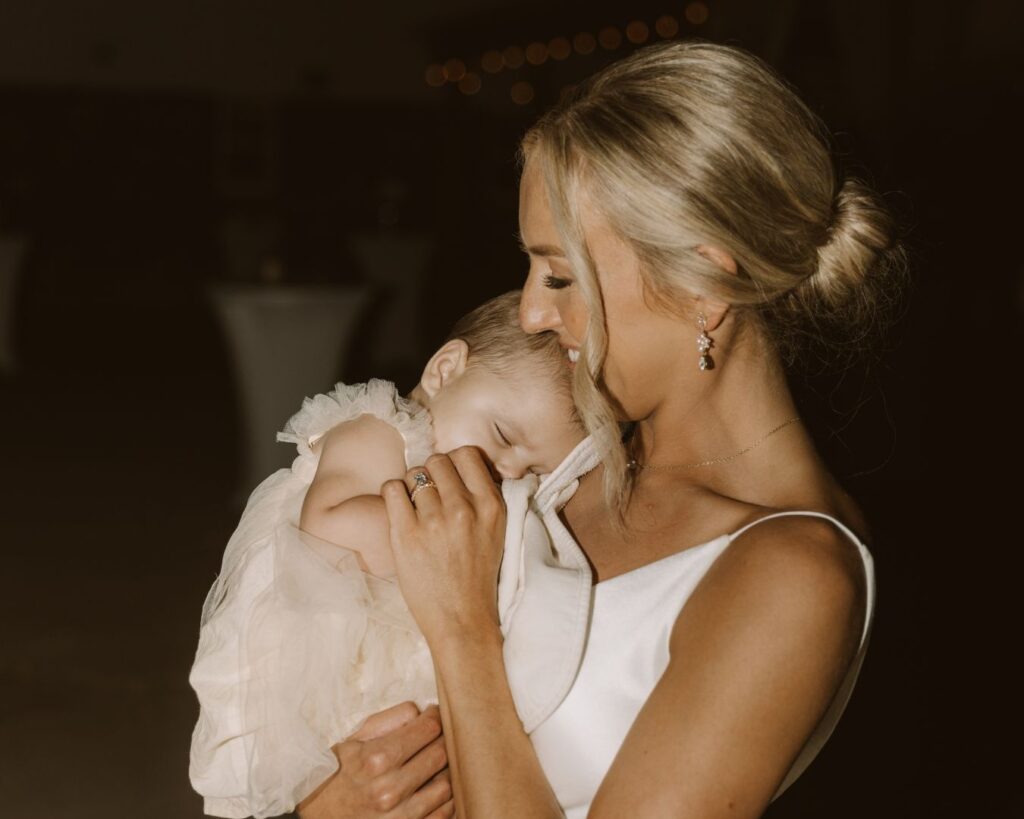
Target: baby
[(304, 633)]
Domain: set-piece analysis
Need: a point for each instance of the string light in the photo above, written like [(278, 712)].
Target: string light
[(513, 57), (470, 84), (522, 93), (697, 13), (584, 43), (454, 70), (609, 38), (637, 32), (667, 27), (492, 62), (434, 76), (559, 48), (536, 53)]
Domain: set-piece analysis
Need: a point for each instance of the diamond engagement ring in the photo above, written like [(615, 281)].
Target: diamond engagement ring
[(423, 481)]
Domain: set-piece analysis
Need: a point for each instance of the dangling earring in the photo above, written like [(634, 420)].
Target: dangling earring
[(704, 343)]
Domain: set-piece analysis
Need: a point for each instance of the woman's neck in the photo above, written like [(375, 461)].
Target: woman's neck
[(711, 415)]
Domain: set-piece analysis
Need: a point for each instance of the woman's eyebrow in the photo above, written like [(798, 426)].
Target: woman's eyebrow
[(540, 250)]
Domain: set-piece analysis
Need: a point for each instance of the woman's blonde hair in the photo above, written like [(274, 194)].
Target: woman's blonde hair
[(692, 143)]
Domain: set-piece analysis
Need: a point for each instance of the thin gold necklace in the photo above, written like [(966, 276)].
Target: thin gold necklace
[(634, 464)]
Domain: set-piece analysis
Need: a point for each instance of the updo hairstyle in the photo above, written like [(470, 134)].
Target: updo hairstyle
[(692, 143)]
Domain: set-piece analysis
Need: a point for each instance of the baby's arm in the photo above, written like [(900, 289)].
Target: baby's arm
[(343, 504)]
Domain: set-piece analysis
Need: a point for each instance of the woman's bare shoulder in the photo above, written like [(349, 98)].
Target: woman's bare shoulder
[(796, 567), (756, 654)]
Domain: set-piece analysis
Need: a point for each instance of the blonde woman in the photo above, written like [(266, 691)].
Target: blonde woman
[(686, 229)]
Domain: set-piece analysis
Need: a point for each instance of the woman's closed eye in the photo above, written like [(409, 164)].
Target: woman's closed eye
[(556, 282)]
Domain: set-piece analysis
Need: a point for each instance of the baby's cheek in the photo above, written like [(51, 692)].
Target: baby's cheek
[(447, 439)]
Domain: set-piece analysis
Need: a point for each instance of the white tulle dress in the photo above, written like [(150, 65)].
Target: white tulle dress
[(297, 645)]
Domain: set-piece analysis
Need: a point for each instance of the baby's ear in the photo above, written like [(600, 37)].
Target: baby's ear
[(444, 366)]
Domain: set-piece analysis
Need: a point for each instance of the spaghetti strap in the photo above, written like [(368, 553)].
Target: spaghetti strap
[(800, 513)]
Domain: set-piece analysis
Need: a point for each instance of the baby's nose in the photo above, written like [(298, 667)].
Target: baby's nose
[(510, 471)]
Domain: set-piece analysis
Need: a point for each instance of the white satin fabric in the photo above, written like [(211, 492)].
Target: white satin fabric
[(583, 659)]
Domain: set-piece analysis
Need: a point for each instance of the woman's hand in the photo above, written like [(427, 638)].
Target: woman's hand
[(391, 768), (448, 544)]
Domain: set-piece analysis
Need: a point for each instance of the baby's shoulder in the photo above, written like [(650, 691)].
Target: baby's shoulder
[(366, 441)]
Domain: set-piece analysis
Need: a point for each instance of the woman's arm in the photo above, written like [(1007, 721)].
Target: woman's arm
[(757, 654), (448, 549)]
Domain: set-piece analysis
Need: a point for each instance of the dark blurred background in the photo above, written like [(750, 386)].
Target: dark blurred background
[(183, 182)]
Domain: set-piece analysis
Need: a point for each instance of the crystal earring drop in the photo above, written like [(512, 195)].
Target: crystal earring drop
[(704, 343)]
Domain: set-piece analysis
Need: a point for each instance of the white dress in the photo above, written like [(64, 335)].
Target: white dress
[(607, 645), (297, 645)]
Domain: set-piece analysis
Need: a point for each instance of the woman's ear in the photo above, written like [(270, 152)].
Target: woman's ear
[(715, 311), (444, 366), (722, 258)]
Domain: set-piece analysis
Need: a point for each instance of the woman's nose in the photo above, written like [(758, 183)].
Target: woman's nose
[(537, 311)]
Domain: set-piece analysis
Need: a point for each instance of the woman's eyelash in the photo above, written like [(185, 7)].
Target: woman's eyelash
[(556, 283)]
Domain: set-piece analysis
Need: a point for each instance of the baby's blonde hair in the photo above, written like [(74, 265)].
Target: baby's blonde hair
[(692, 143), (498, 343)]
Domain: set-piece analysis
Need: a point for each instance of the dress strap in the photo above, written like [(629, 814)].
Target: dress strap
[(800, 513)]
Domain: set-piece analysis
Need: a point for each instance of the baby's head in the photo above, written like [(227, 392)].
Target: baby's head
[(494, 387)]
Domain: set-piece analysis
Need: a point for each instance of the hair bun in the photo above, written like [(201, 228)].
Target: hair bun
[(844, 307), (858, 241)]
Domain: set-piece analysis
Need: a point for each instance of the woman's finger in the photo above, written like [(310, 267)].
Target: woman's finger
[(384, 722), (446, 811), (416, 784), (423, 490), (474, 472), (446, 476), (390, 753)]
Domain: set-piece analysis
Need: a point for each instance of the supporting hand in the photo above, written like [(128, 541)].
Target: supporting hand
[(394, 767)]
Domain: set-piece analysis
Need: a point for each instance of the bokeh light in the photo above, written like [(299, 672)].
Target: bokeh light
[(559, 48), (513, 56), (522, 93), (434, 76), (454, 69), (637, 32), (610, 38), (667, 27), (470, 84), (491, 62), (584, 43), (697, 13), (536, 53)]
